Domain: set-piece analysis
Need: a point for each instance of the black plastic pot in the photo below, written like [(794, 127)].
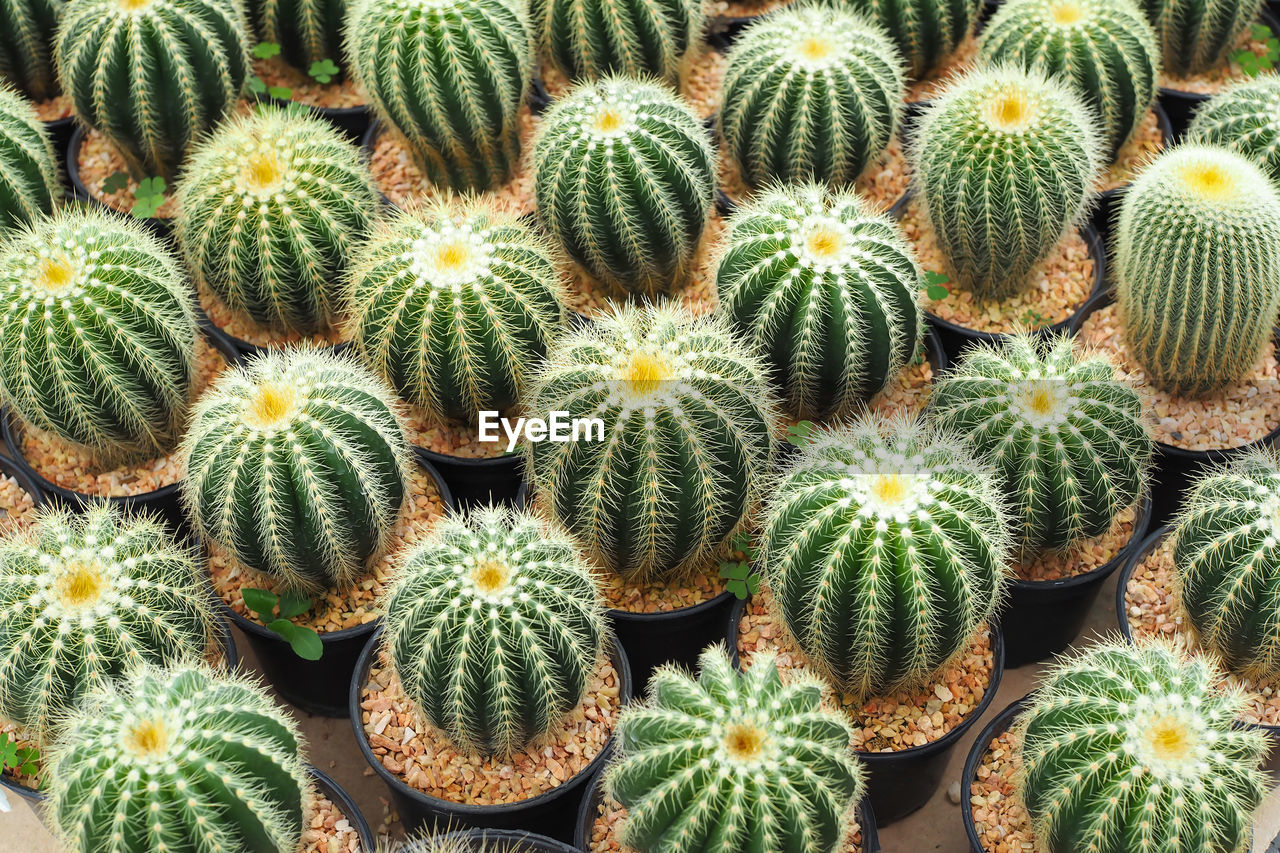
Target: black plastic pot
[(1041, 618), (478, 482), (723, 30), (591, 803), (60, 130), (161, 227), (998, 726), (551, 813), (346, 805), (1175, 467), (1107, 208), (674, 636), (244, 349), (351, 121)]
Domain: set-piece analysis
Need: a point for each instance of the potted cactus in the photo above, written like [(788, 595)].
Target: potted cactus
[(934, 36), (525, 702), (1244, 118), (1056, 770), (27, 30), (479, 841), (454, 305), (29, 182)]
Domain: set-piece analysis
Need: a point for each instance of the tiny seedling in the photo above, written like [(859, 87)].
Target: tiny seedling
[(280, 609), (742, 580), (1253, 64), (800, 433), (918, 358), (1033, 319), (266, 49), (324, 71), (935, 286), (18, 760), (148, 197)]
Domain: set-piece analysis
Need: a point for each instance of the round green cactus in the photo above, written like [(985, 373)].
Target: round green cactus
[(28, 165), (885, 545), (296, 465), (1005, 161), (271, 207), (1066, 434), (1197, 35), (624, 176), (681, 448), (27, 29), (307, 31), (495, 626), (734, 762), (179, 761), (97, 333), (153, 76), (1197, 268), (83, 598), (1246, 119), (811, 93), (1106, 48), (590, 39), (827, 290), (926, 31), (1134, 750), (450, 76), (455, 305)]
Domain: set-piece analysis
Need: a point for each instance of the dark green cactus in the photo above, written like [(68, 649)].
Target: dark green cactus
[(27, 29)]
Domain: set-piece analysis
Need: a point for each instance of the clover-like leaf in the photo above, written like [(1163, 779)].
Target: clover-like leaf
[(324, 71), (800, 434), (256, 85), (266, 49), (115, 183)]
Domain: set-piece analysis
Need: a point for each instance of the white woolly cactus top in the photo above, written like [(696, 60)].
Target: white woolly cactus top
[(1204, 178)]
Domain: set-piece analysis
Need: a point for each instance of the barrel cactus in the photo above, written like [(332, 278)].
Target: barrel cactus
[(495, 626), (926, 31), (682, 446), (296, 465), (885, 545), (590, 39), (1246, 119), (734, 761), (97, 333), (454, 305), (153, 76), (179, 761), (1106, 48), (28, 166), (450, 76), (307, 31), (27, 28), (1005, 163), (1134, 750), (83, 598), (827, 290), (1197, 268), (1197, 35), (624, 175), (271, 206), (811, 93)]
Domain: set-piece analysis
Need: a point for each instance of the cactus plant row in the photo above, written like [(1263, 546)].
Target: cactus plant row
[(28, 165)]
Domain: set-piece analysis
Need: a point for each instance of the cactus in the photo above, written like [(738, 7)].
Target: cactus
[(153, 76), (27, 29), (1198, 268), (307, 30), (270, 207), (450, 76), (624, 175), (28, 165), (682, 447), (734, 761), (885, 545), (97, 333), (179, 761), (495, 625), (590, 39), (1197, 35), (826, 289), (296, 465), (1105, 48), (926, 31), (454, 305), (810, 93), (85, 598), (1246, 119), (1134, 750), (1005, 163), (1064, 431)]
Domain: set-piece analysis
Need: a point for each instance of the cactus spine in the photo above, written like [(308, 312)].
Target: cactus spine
[(810, 93), (687, 425), (296, 465), (1105, 48), (885, 544), (1197, 35), (1065, 433), (1133, 750), (97, 333), (590, 39), (1198, 268), (926, 31), (83, 598), (734, 761), (495, 625), (450, 76), (153, 76), (307, 30), (179, 761), (28, 165), (27, 29), (454, 305), (1005, 162), (270, 208), (624, 175), (1246, 119), (826, 289)]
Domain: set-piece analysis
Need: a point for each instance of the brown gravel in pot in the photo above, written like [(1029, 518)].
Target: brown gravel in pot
[(659, 596), (1216, 79), (742, 8), (329, 830), (250, 331), (52, 109), (453, 437), (1081, 558), (1146, 142), (961, 61), (16, 505), (98, 160), (999, 816), (340, 94)]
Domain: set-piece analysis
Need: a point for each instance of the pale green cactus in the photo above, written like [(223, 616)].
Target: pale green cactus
[(1246, 119), (28, 165)]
